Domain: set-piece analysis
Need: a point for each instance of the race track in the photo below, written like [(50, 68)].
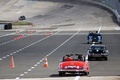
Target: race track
[(69, 22)]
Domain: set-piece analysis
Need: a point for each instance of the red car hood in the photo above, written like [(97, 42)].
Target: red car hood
[(72, 63)]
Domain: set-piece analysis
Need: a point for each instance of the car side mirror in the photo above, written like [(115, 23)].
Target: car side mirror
[(107, 51), (60, 60)]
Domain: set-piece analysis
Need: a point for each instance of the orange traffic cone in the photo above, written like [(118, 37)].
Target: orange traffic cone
[(18, 38), (15, 38), (23, 36), (12, 65), (35, 30), (51, 33), (33, 24), (45, 62), (27, 30), (30, 34), (45, 34), (16, 30)]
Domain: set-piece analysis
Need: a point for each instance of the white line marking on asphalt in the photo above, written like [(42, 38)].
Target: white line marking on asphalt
[(26, 47), (86, 58), (32, 67), (20, 50), (6, 42), (100, 25), (98, 32), (99, 29), (29, 69), (25, 72), (29, 45), (77, 78), (8, 55), (17, 51), (35, 65), (11, 54), (14, 52), (17, 33), (12, 34), (63, 43), (38, 62), (54, 50), (4, 57), (2, 44), (17, 78), (117, 28), (21, 74), (41, 60)]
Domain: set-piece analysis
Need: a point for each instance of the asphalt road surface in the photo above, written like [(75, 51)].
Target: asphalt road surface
[(69, 22), (29, 52)]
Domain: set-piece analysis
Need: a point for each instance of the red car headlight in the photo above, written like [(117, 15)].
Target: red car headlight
[(65, 67), (60, 66), (77, 67)]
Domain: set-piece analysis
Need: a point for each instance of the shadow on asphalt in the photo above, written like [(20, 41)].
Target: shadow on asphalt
[(66, 75), (91, 43), (84, 43), (97, 59)]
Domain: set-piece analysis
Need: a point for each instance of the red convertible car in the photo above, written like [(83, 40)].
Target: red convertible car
[(74, 64)]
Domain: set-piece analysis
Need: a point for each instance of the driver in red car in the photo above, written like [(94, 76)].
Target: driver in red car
[(68, 58), (81, 57)]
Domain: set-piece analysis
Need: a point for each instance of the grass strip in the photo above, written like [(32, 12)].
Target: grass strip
[(17, 23)]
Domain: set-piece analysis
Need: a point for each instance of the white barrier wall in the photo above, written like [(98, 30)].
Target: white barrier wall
[(2, 26), (113, 5)]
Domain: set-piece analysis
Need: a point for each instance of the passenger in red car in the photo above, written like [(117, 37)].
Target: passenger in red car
[(68, 58)]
